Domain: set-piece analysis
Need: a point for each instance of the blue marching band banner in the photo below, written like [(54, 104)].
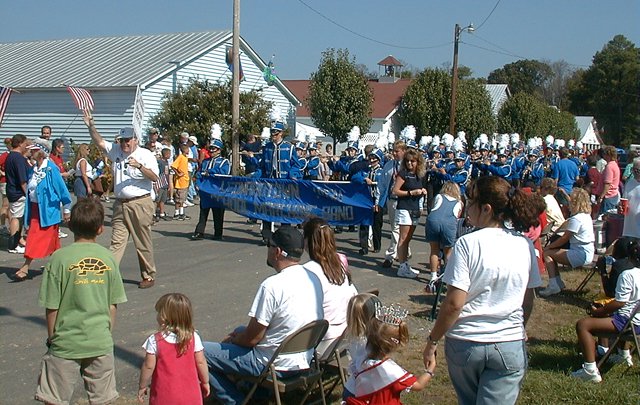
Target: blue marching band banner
[(289, 201)]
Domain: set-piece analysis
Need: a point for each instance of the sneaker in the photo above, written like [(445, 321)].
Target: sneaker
[(387, 263), (601, 351), (61, 234), (415, 271), (185, 217), (171, 202), (197, 236), (585, 375), (146, 283), (552, 289), (405, 271), (165, 217), (188, 204), (619, 358), (363, 252), (178, 217), (19, 250)]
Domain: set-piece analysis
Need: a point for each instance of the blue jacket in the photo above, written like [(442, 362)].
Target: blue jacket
[(52, 192), (374, 173), (312, 168), (213, 166), (286, 164)]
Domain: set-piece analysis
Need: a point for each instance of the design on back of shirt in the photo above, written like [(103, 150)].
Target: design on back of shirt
[(90, 264)]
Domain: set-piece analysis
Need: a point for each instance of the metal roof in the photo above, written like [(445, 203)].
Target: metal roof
[(101, 62)]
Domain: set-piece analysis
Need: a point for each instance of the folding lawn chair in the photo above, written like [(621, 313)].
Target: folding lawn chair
[(627, 334), (304, 339)]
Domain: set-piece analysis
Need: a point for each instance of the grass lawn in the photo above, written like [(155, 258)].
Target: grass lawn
[(553, 354)]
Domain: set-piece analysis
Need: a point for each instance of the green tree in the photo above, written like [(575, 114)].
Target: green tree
[(339, 96), (529, 116), (427, 102), (200, 104), (610, 90), (527, 75)]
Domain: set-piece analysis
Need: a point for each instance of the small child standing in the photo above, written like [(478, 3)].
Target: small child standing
[(180, 167), (360, 310), (174, 364), (81, 287), (378, 379)]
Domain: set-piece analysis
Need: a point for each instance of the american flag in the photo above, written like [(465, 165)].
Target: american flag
[(81, 97), (5, 93)]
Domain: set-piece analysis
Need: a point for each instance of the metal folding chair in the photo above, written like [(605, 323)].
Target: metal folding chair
[(304, 339), (627, 334)]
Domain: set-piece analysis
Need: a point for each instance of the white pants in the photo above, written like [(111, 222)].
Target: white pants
[(392, 251)]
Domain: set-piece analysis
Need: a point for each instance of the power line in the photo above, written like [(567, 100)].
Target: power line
[(492, 10), (369, 38)]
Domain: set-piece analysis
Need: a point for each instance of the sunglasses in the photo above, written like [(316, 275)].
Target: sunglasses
[(124, 140)]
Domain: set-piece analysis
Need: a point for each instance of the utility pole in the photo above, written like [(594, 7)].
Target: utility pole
[(454, 75), (235, 98)]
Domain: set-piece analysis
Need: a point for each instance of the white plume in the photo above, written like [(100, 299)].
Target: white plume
[(425, 140), (531, 143), (560, 143), (483, 138), (476, 143), (458, 146), (216, 131), (409, 132), (462, 136), (381, 142), (391, 137), (265, 134), (311, 137), (354, 134), (549, 140), (447, 139), (572, 143), (515, 138), (579, 145), (275, 114), (301, 135), (436, 140)]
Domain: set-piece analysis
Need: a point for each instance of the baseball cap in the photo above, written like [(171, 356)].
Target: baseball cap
[(126, 133), (193, 139), (290, 240)]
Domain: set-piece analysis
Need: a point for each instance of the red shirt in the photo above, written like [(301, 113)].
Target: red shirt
[(3, 158), (58, 161)]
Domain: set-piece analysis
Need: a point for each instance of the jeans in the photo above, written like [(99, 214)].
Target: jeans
[(227, 358), (486, 373)]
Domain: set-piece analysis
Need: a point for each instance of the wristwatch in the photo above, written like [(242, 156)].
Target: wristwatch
[(432, 341)]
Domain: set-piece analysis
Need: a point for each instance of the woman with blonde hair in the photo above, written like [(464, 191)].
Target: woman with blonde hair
[(441, 225), (578, 232), (83, 173), (328, 265), (410, 191)]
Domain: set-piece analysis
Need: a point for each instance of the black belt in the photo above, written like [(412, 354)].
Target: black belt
[(126, 200)]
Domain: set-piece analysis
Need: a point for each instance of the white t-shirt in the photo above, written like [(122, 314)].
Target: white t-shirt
[(89, 170), (582, 227), (495, 266), (129, 182), (554, 213), (336, 299), (632, 219), (628, 291), (284, 303), (151, 346)]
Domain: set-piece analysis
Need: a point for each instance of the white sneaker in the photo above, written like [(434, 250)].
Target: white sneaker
[(188, 204), (618, 358), (61, 234), (415, 271), (584, 375), (405, 271), (18, 250)]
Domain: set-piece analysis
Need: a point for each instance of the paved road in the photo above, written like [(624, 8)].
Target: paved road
[(220, 277)]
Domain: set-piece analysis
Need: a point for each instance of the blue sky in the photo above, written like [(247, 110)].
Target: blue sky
[(417, 32)]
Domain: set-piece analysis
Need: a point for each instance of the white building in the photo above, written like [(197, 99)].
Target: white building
[(113, 69), (588, 133)]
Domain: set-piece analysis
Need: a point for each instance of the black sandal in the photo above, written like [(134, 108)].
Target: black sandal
[(17, 278)]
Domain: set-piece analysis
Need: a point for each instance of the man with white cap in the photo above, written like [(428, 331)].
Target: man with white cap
[(134, 171)]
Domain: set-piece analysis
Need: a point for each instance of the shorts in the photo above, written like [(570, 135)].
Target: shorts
[(180, 195), (405, 217), (161, 195), (619, 321), (579, 256), (441, 232), (17, 208), (58, 377)]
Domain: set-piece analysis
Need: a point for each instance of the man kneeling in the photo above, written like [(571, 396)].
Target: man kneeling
[(284, 303)]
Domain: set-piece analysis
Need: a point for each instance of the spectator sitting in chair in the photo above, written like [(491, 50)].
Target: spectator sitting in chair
[(610, 319), (285, 302), (578, 231)]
